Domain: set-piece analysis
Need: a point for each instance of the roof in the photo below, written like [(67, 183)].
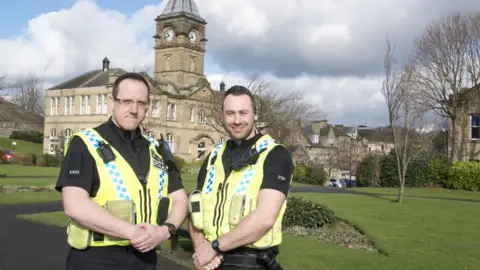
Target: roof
[(12, 113), (92, 78), (376, 134), (181, 7)]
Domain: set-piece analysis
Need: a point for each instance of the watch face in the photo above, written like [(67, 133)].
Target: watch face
[(192, 36), (169, 35)]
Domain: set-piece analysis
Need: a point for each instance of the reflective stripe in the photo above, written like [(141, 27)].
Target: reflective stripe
[(211, 174), (248, 175), (111, 167), (161, 174)]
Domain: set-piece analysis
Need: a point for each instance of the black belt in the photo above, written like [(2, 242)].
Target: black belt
[(242, 260)]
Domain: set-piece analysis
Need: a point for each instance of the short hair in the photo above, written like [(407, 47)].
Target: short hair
[(238, 90), (132, 76)]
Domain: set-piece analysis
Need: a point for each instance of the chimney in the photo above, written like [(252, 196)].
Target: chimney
[(222, 86), (318, 125), (106, 64)]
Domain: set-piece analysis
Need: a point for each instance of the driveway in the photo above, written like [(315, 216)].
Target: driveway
[(28, 245)]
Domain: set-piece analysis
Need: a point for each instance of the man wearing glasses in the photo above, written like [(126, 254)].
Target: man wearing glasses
[(120, 188)]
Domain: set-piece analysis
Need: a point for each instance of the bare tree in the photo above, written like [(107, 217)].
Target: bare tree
[(28, 93), (279, 114), (408, 119), (447, 59), (350, 155)]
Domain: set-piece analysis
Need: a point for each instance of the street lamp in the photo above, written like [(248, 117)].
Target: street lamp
[(13, 146)]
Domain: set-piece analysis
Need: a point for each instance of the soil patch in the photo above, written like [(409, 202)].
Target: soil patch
[(340, 233)]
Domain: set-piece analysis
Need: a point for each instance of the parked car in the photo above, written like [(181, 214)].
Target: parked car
[(336, 183), (8, 155)]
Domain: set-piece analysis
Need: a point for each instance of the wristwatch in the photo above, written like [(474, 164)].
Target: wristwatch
[(171, 228), (216, 246)]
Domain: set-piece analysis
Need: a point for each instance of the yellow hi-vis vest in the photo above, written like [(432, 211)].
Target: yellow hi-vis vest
[(222, 198), (119, 183)]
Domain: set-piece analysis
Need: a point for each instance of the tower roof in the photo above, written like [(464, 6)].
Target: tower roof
[(181, 7)]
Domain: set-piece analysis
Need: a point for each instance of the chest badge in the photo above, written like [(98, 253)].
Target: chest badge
[(158, 162)]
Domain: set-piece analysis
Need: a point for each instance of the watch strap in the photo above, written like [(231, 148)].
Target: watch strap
[(171, 228)]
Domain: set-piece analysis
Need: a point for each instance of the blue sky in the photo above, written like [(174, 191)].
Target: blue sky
[(13, 21)]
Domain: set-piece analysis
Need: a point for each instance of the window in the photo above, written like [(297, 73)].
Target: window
[(69, 105), (192, 63), (84, 105), (67, 134), (171, 111), (156, 109), (170, 142), (201, 117), (475, 127), (52, 141), (222, 139), (54, 105), (151, 134), (168, 64), (101, 104), (201, 150), (192, 114)]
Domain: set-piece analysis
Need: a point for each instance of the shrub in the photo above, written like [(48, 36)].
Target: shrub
[(179, 162), (367, 172), (51, 160), (418, 172), (307, 214), (439, 169), (309, 174), (31, 136), (464, 175)]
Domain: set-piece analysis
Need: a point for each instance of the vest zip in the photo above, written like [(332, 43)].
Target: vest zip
[(222, 206), (217, 203)]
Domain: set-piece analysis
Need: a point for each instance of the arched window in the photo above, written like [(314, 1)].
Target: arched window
[(53, 141), (222, 139), (66, 135), (151, 134), (201, 150), (170, 142)]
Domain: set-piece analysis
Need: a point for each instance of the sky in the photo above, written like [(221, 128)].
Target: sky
[(330, 50)]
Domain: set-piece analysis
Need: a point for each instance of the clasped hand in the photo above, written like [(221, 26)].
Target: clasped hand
[(148, 237), (205, 257)]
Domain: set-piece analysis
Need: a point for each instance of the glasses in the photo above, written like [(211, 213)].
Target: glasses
[(128, 102)]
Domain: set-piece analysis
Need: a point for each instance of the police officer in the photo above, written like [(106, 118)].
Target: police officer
[(237, 210), (120, 188)]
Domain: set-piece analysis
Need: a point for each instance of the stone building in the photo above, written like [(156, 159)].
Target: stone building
[(15, 118), (179, 90)]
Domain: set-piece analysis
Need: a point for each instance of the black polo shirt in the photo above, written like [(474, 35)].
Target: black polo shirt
[(79, 169), (277, 169)]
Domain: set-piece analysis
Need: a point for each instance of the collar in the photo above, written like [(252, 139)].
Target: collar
[(124, 134), (245, 143)]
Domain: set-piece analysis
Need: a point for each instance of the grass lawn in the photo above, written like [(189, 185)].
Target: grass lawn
[(427, 192), (418, 234), (23, 170), (23, 148)]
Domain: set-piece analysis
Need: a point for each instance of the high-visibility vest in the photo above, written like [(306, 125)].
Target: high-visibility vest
[(222, 198), (119, 183)]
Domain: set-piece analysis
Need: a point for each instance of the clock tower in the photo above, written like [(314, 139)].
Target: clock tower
[(180, 44)]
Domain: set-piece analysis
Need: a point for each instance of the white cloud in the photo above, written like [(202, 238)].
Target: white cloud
[(329, 49)]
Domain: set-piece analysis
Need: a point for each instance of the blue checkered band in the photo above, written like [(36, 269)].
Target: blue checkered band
[(111, 168), (211, 171), (248, 175), (161, 174), (152, 140)]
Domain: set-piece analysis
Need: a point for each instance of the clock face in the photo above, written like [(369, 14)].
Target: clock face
[(169, 35), (192, 36)]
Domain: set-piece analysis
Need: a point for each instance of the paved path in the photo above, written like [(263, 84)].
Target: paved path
[(27, 245)]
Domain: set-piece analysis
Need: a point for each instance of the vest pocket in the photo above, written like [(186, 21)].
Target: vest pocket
[(236, 209), (123, 209), (78, 237)]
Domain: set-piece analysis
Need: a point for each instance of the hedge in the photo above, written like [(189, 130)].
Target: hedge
[(307, 214), (31, 136), (309, 174), (464, 175)]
